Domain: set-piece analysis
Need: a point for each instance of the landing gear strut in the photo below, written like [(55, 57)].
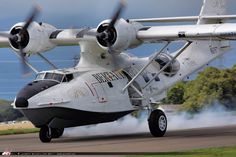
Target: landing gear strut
[(157, 123), (46, 133), (57, 132)]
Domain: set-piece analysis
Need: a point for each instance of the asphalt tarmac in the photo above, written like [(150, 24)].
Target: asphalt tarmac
[(180, 140)]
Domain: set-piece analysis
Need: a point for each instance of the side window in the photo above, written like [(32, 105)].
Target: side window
[(68, 78), (110, 84), (146, 78), (156, 78), (64, 79)]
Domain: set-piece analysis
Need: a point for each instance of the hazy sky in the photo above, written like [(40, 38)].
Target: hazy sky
[(80, 13)]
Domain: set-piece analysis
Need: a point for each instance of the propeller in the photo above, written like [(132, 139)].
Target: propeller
[(21, 36), (107, 33)]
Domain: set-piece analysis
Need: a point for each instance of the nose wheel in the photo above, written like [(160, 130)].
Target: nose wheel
[(157, 123), (46, 134)]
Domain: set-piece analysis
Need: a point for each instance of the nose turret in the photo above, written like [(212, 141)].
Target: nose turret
[(31, 90)]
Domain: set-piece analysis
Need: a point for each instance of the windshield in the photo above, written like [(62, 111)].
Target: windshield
[(54, 76), (50, 76), (40, 76)]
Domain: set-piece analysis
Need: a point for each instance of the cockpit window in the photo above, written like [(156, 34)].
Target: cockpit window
[(55, 76), (40, 76), (58, 77), (68, 78), (49, 76)]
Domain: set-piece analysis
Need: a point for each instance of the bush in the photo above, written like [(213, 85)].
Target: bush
[(211, 85)]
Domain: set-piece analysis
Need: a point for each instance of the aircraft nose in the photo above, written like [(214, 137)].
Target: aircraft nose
[(32, 89), (21, 102)]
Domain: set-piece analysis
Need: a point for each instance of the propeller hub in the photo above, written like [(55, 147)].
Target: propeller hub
[(106, 36), (106, 32), (19, 38)]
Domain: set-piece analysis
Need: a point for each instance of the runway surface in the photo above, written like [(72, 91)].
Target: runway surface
[(143, 142)]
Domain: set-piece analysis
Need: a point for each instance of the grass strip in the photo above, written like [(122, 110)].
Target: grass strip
[(18, 131)]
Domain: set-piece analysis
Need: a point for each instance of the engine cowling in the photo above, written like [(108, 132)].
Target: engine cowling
[(35, 39), (120, 37)]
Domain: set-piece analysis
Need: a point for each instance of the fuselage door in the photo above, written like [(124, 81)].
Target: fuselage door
[(99, 92)]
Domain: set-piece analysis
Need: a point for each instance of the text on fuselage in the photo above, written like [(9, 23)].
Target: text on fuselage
[(109, 76)]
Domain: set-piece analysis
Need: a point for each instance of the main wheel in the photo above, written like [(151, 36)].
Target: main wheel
[(57, 132), (157, 123), (45, 134)]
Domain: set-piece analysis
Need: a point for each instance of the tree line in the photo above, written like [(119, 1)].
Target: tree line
[(7, 113), (211, 86)]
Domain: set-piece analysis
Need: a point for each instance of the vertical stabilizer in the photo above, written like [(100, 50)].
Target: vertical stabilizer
[(212, 7)]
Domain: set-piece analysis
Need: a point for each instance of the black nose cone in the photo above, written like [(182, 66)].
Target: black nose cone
[(21, 102)]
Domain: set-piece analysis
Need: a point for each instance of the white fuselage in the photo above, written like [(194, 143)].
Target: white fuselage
[(96, 90)]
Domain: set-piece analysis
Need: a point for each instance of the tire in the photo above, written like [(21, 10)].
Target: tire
[(45, 135), (157, 123), (57, 132)]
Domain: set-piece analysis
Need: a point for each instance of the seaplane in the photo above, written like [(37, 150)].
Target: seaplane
[(108, 83)]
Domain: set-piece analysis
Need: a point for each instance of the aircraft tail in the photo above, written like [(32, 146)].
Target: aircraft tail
[(212, 7)]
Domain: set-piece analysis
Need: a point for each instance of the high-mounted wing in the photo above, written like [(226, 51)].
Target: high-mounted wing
[(117, 35), (185, 18), (188, 32), (69, 37), (4, 41)]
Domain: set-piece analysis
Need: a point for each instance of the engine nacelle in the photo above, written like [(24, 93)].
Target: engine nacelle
[(121, 37), (35, 39)]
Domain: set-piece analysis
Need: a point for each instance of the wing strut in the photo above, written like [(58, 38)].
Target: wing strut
[(27, 63), (139, 93), (46, 60), (162, 69), (151, 60)]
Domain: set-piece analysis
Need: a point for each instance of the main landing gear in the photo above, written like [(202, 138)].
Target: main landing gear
[(46, 133), (157, 122)]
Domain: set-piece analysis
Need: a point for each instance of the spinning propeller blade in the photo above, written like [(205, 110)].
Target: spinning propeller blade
[(117, 14), (19, 38), (107, 33), (29, 20)]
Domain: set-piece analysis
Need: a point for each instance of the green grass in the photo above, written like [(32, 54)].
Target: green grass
[(209, 152), (18, 131), (4, 102)]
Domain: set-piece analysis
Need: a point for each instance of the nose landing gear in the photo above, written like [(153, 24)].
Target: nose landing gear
[(46, 133)]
